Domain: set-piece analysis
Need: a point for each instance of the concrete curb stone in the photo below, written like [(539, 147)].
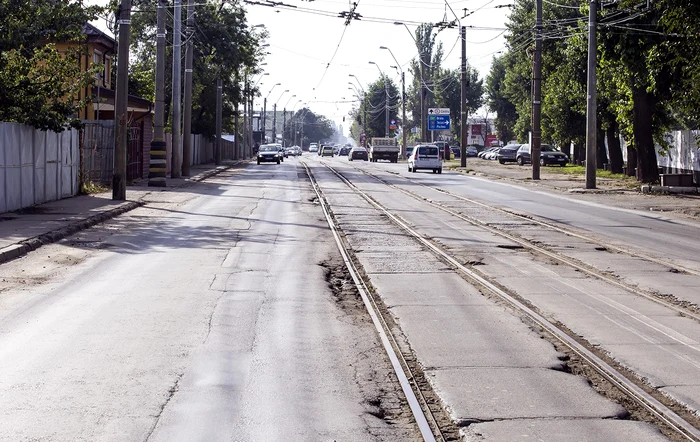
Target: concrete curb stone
[(23, 247)]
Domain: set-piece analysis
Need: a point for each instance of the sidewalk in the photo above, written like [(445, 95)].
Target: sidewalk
[(28, 229)]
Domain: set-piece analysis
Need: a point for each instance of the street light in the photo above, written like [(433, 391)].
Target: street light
[(264, 122), (403, 100), (274, 117), (284, 120), (386, 99), (423, 111), (364, 106)]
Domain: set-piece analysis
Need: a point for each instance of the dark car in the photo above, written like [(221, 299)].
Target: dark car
[(358, 153), (456, 152), (344, 151), (269, 153), (548, 155), (508, 153)]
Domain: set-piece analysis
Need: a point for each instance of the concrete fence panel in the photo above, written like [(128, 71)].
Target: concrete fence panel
[(36, 166), (13, 173), (39, 159), (26, 148), (3, 183)]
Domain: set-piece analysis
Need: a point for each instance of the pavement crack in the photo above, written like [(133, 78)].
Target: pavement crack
[(171, 392)]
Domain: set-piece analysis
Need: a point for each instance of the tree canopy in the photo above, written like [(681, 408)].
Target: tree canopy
[(648, 69), (37, 82)]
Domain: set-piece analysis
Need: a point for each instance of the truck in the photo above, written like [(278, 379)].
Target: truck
[(384, 149)]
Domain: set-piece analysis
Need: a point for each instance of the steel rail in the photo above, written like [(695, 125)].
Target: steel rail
[(644, 399), (389, 343), (549, 253)]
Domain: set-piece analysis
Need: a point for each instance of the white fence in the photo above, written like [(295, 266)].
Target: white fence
[(684, 154), (36, 166)]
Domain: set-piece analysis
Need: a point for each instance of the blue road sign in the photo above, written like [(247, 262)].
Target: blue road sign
[(438, 122)]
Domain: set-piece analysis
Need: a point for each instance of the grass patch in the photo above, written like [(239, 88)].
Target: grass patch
[(570, 169), (89, 188)]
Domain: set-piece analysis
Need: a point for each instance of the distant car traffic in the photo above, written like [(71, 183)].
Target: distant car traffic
[(344, 150), (313, 147), (269, 153), (358, 153), (327, 151), (425, 156)]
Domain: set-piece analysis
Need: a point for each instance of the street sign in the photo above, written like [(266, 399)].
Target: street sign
[(439, 111), (439, 122), (392, 125)]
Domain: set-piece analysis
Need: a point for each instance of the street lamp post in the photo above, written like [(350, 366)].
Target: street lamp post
[(364, 107), (274, 117), (403, 100), (284, 120), (264, 123), (386, 99), (421, 62)]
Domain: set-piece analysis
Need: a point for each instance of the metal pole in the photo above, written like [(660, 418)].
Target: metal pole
[(158, 163), (121, 103), (536, 95), (217, 145), (403, 113), (187, 129), (251, 141), (386, 106), (591, 108), (464, 130), (236, 141), (274, 123), (264, 118), (176, 158), (284, 124)]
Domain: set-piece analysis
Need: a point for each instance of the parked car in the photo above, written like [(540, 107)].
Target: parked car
[(344, 151), (269, 153), (327, 151), (456, 152), (491, 153), (548, 155), (358, 153), (508, 153), (444, 147), (472, 151), (425, 156), (483, 153)]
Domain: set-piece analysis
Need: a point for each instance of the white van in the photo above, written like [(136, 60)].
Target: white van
[(425, 156)]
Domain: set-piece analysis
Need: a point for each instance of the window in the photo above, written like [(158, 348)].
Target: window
[(428, 150)]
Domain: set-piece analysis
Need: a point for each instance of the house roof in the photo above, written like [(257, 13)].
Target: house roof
[(97, 36)]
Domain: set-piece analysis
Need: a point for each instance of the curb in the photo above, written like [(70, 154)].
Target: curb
[(25, 246)]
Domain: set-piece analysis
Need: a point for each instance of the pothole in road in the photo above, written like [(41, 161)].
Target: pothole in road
[(510, 246), (90, 244)]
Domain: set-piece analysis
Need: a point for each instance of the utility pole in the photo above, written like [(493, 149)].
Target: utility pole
[(403, 112), (177, 88), (536, 95), (274, 123), (264, 121), (251, 142), (386, 107), (236, 141), (158, 164), (591, 105), (464, 130), (217, 145), (187, 129), (284, 124), (121, 104)]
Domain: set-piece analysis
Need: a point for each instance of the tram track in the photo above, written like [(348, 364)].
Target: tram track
[(692, 312), (684, 429)]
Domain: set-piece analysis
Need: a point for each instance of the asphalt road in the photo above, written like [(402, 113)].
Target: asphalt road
[(222, 312), (207, 315)]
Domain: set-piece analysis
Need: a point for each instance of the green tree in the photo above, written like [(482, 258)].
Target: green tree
[(225, 47), (448, 93), (315, 127), (377, 104), (506, 114), (37, 83)]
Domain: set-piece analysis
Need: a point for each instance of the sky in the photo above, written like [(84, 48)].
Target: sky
[(312, 53)]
